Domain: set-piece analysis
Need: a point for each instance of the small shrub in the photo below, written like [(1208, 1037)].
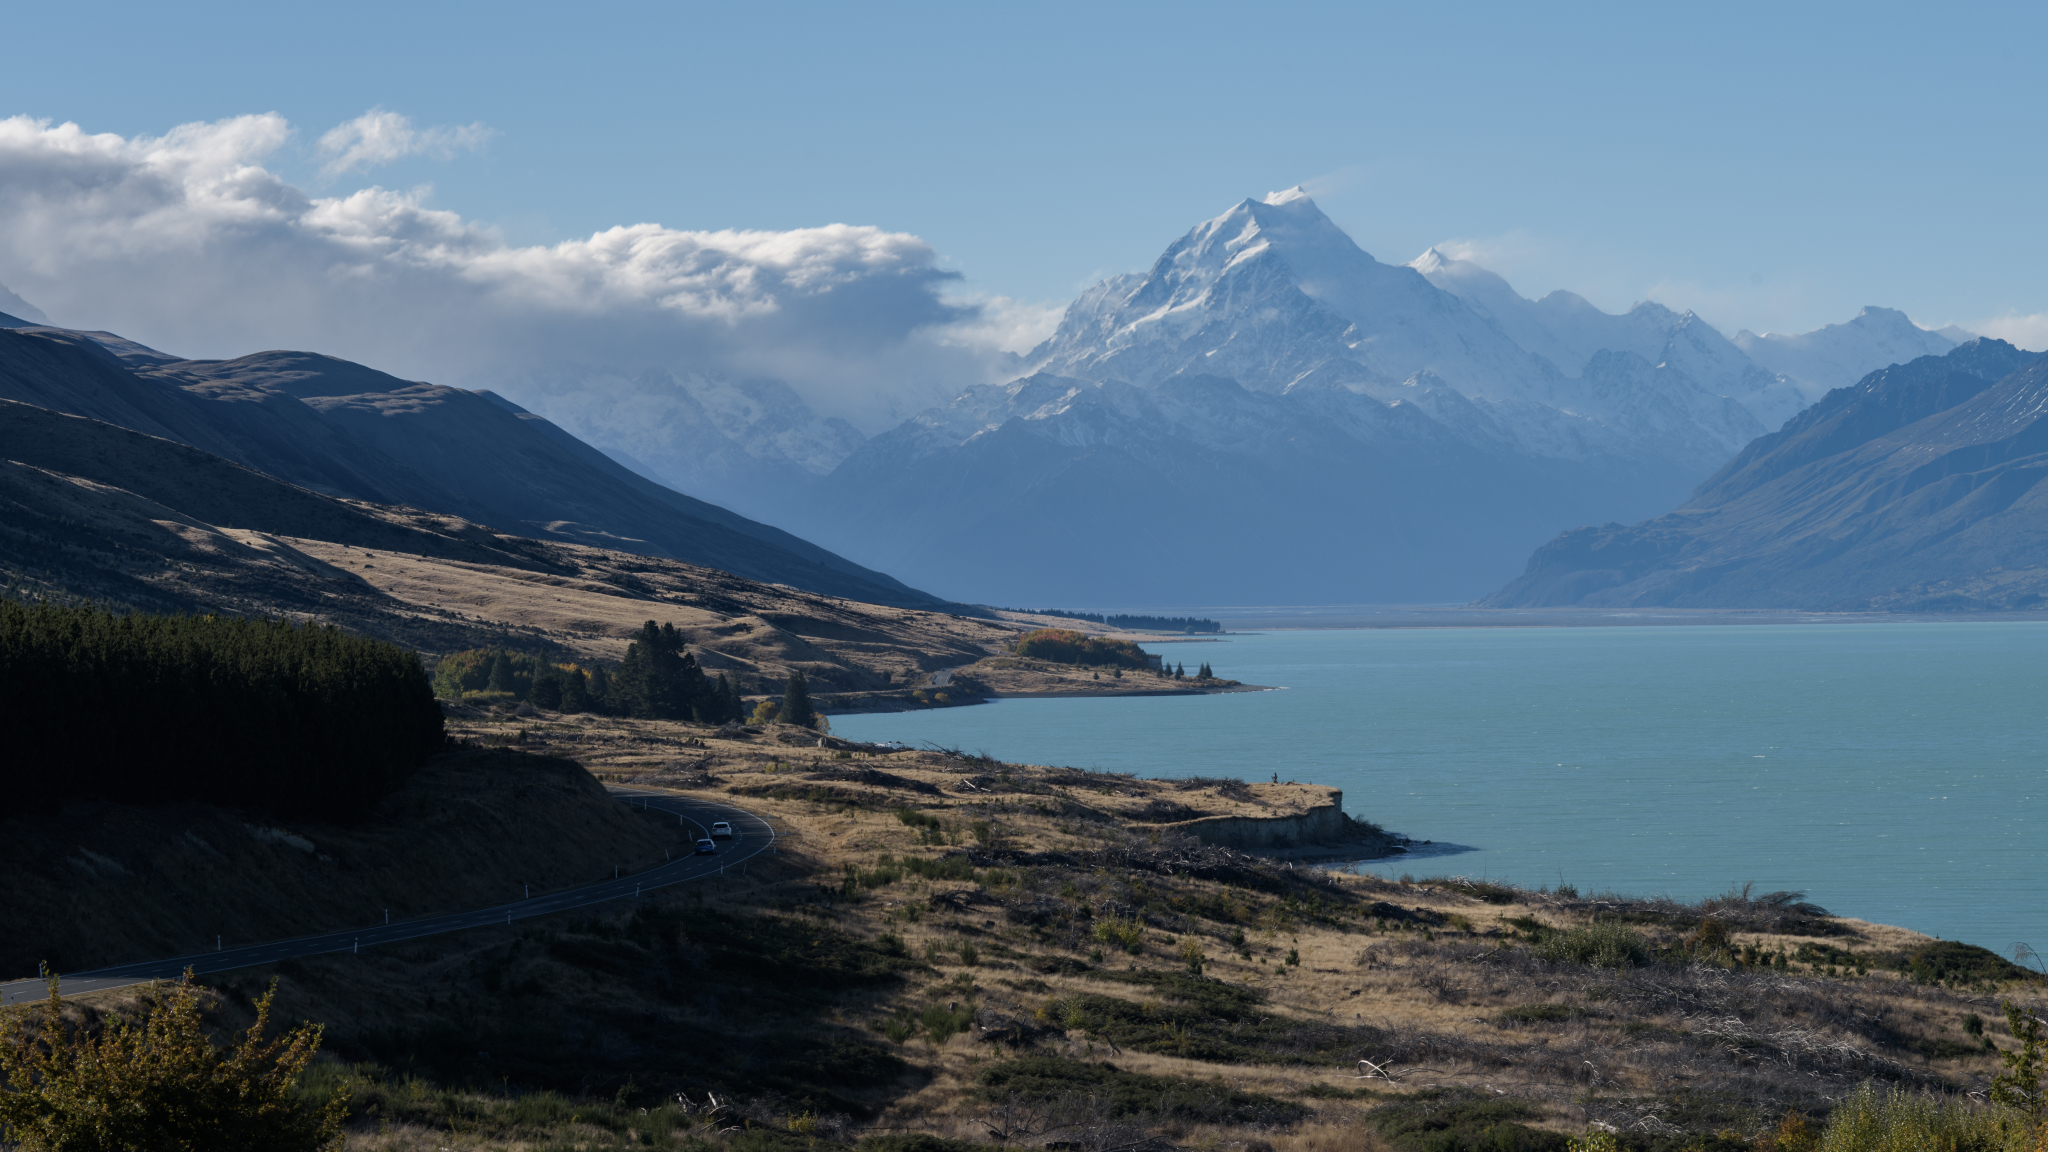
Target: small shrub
[(1128, 935), (158, 1081), (1602, 944), (2019, 1086), (942, 1023), (1911, 1122)]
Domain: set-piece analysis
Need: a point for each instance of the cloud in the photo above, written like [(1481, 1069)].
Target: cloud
[(188, 242), (1003, 323), (2029, 332), (380, 137)]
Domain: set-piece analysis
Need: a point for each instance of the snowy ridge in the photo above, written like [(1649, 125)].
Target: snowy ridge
[(1838, 355)]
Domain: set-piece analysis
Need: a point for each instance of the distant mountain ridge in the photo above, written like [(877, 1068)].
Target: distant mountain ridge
[(1917, 489), (342, 429), (1357, 431)]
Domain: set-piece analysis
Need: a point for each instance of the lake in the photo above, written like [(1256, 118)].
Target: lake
[(1892, 771)]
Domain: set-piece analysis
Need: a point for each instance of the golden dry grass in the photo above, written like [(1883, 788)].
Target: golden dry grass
[(1419, 973)]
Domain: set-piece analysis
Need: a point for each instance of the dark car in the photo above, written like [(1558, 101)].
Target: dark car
[(706, 848)]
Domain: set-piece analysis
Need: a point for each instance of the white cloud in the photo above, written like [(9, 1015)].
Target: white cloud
[(188, 242), (1003, 323), (380, 137), (2029, 332)]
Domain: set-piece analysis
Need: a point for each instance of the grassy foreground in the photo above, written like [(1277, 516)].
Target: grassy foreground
[(951, 951)]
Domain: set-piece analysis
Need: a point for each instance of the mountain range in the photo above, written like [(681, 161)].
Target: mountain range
[(341, 429), (1269, 414), (1919, 488)]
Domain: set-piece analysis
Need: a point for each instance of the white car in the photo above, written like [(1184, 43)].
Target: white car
[(721, 831)]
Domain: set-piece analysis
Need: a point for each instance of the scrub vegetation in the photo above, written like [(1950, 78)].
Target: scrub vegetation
[(947, 953)]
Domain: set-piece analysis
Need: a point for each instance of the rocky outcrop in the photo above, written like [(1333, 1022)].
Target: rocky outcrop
[(1321, 826)]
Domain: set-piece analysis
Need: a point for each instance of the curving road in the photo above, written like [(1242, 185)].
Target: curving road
[(752, 835)]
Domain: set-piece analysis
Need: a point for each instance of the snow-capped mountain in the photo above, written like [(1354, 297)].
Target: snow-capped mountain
[(1569, 331), (1267, 414), (752, 444), (1842, 354), (1275, 296), (1341, 428), (1271, 292)]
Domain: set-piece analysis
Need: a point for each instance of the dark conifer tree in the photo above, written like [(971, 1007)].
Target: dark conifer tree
[(729, 708), (501, 673), (657, 679), (1180, 671), (575, 691), (258, 714), (796, 701), (547, 689), (600, 694)]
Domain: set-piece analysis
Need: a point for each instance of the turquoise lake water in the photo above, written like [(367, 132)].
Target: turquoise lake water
[(1894, 772)]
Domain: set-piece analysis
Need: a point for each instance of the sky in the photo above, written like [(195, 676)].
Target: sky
[(1774, 167)]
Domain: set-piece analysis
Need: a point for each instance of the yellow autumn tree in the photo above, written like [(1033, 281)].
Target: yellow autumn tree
[(154, 1082)]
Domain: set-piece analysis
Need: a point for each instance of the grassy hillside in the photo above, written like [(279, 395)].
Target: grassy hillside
[(956, 949), (99, 883)]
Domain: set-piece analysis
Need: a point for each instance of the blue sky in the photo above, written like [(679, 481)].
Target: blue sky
[(1772, 166)]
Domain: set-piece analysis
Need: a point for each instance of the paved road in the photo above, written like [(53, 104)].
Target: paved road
[(752, 836)]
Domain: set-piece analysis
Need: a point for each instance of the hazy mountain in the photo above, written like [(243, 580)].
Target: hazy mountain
[(1841, 354), (751, 444), (18, 313), (1198, 489), (1919, 488), (1332, 428), (346, 430), (1568, 330)]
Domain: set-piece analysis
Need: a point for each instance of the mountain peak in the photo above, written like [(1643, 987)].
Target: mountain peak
[(1287, 196), (1432, 260)]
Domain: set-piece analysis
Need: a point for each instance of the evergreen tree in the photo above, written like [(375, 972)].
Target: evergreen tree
[(547, 689), (258, 714), (730, 709), (575, 691), (796, 700), (501, 673), (600, 694), (1180, 672), (658, 680)]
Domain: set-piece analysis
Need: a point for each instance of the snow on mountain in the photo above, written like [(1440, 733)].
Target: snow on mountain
[(1356, 432), (1275, 296), (1270, 292), (1570, 331), (1839, 355), (751, 444)]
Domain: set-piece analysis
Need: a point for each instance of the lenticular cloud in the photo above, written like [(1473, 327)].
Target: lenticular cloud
[(188, 241)]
